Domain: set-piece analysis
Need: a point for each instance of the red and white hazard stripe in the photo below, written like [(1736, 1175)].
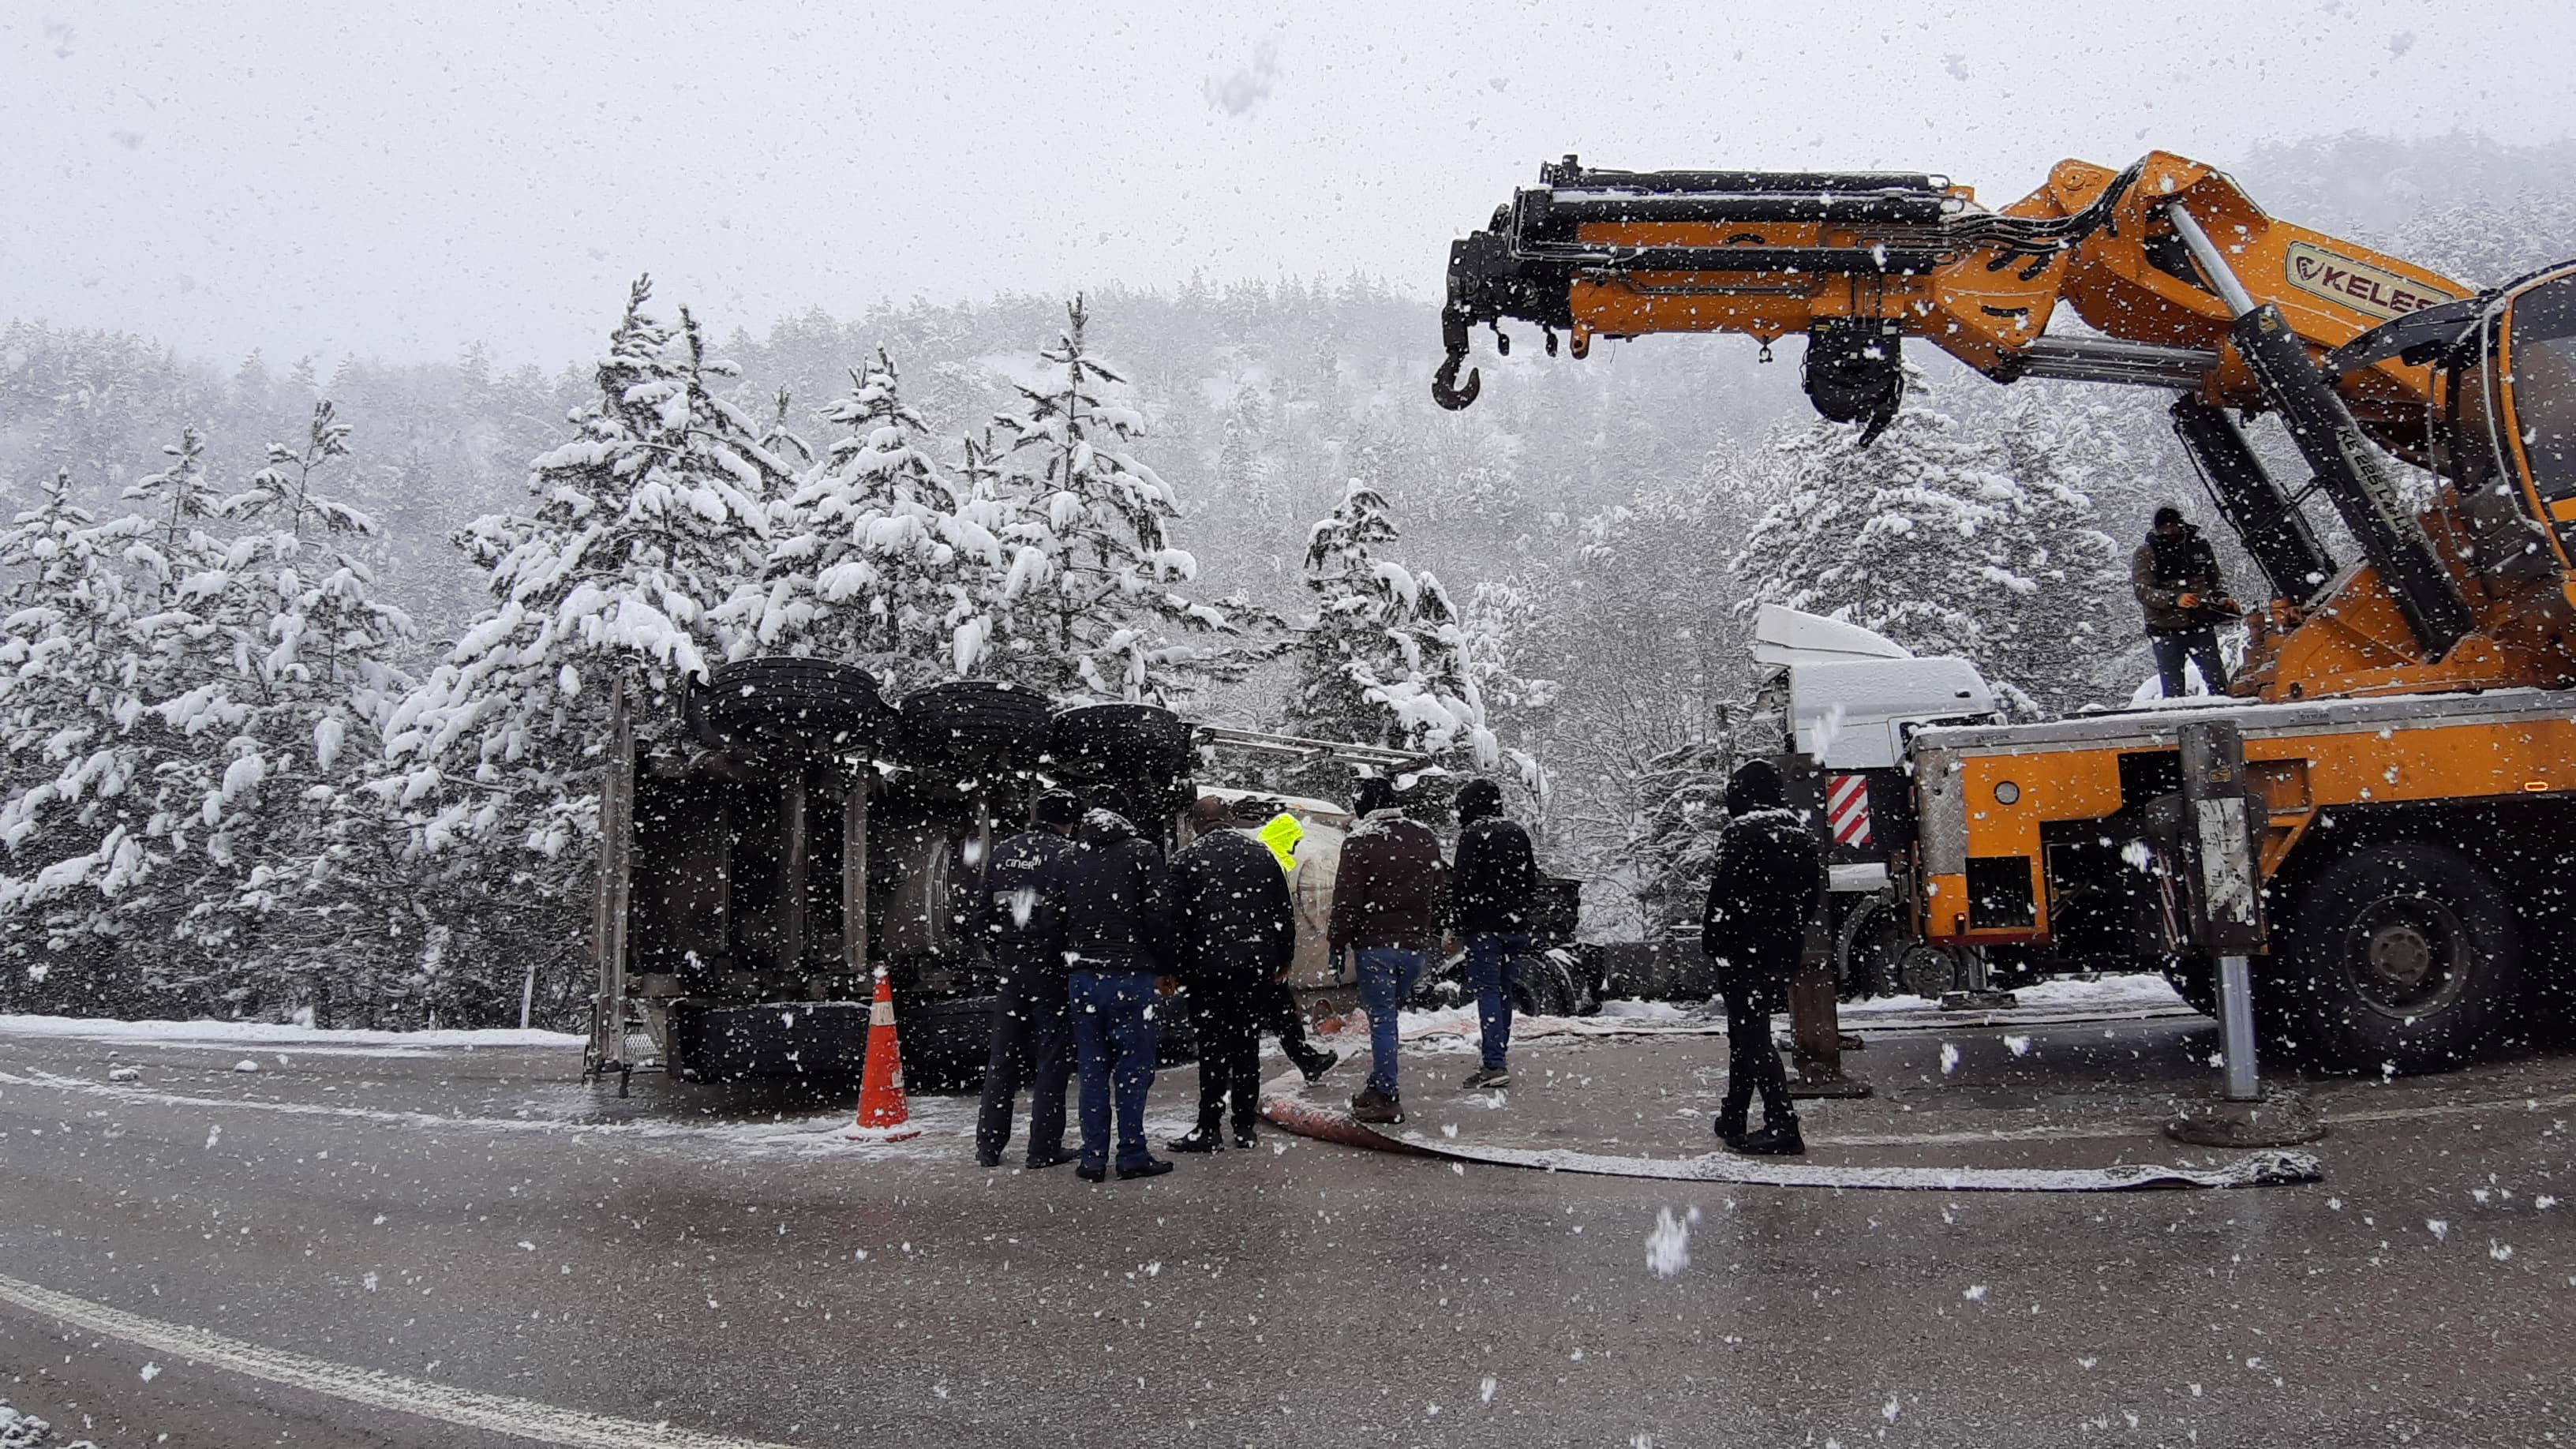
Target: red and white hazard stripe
[(1847, 809)]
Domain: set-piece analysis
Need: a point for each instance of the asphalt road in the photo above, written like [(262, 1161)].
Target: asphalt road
[(476, 1229)]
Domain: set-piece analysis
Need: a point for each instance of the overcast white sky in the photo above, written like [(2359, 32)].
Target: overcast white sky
[(400, 180)]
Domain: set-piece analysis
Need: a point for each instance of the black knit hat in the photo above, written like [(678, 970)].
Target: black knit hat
[(2168, 514), (1055, 810), (1756, 785), (1371, 795), (1478, 799)]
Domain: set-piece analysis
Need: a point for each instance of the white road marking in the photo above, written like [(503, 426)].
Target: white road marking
[(466, 1408), (944, 1124)]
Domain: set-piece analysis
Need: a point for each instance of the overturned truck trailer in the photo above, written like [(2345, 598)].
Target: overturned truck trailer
[(793, 832)]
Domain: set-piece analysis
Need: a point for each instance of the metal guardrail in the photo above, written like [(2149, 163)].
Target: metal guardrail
[(1301, 747)]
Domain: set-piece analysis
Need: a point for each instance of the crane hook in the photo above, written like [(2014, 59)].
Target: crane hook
[(1444, 383), (1453, 341)]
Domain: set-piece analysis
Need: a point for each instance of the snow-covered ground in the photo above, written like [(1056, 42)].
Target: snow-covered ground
[(26, 1431), (2133, 992), (1448, 1028), (1455, 1028), (1643, 1011), (276, 1037)]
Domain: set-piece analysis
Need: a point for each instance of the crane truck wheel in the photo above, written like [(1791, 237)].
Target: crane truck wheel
[(2400, 954)]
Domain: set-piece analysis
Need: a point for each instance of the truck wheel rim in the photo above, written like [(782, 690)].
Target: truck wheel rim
[(2407, 955)]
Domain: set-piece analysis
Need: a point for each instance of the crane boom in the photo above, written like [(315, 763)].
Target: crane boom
[(2179, 281)]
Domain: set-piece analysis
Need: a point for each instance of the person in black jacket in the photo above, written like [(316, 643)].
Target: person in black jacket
[(1763, 884), (1030, 1027), (2175, 577), (1115, 914), (1233, 930), (1493, 893)]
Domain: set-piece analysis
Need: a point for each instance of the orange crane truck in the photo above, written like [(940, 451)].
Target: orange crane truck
[(2408, 735)]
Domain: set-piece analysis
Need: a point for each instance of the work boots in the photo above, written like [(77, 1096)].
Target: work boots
[(1378, 1107), (1312, 1064), (1203, 1138), (1774, 1139)]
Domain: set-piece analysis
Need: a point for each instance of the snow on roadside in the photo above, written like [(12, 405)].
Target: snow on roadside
[(2132, 991), (26, 1431), (1643, 1010), (1455, 1028), (2136, 989), (271, 1034)]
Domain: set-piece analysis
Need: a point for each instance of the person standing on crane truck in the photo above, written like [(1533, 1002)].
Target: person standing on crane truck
[(2175, 576)]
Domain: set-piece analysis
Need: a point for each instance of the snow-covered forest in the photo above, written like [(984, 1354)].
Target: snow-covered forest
[(304, 671)]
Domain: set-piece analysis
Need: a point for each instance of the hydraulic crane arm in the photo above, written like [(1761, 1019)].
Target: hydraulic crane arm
[(1852, 259), (2179, 279)]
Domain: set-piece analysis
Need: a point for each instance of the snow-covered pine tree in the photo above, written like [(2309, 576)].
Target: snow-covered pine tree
[(1244, 469), (1682, 799), (2052, 639), (1501, 618), (134, 789), (782, 441), (877, 560), (1386, 660), (61, 631), (1500, 625), (61, 594), (644, 525), (1090, 614), (1912, 536), (298, 898)]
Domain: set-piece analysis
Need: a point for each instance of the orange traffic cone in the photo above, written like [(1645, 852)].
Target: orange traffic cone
[(883, 1114)]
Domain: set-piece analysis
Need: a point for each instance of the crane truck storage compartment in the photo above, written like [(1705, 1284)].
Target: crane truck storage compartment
[(2413, 851)]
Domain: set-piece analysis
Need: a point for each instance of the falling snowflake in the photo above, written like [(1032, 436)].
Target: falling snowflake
[(1668, 1245)]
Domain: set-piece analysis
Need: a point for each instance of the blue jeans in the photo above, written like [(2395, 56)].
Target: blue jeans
[(1115, 1030), (1490, 971), (1387, 974)]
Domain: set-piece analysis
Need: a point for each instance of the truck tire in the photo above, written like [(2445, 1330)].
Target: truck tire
[(1120, 742), (2401, 954), (777, 709), (1866, 952), (1930, 972), (946, 1044), (1141, 751), (1541, 987), (975, 723)]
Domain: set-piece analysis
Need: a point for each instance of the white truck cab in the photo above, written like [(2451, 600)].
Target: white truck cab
[(1849, 698)]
